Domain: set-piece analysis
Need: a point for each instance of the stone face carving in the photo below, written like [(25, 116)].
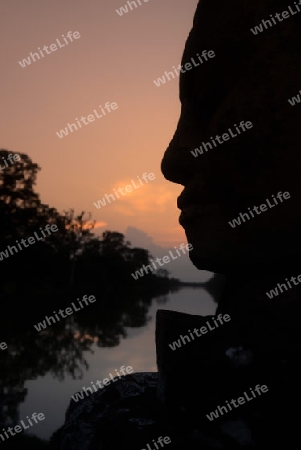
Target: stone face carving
[(248, 80)]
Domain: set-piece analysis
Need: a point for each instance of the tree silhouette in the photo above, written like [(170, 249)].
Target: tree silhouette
[(52, 273)]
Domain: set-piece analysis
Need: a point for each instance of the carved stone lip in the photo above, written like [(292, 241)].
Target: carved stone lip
[(232, 204), (199, 196), (200, 211), (194, 200)]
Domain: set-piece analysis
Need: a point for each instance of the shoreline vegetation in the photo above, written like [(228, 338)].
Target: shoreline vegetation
[(51, 275), (42, 282), (69, 263)]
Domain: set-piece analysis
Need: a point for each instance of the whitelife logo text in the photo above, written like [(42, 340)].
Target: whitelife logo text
[(241, 401), (166, 259), (90, 118), (203, 330), (128, 188), (10, 158), (188, 66), (124, 9), (106, 381), (53, 48), (263, 208), (68, 311), (223, 138), (17, 429)]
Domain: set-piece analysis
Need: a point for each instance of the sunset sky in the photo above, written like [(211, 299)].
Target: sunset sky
[(116, 60)]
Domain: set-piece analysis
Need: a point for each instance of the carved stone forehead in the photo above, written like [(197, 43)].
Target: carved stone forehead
[(250, 78)]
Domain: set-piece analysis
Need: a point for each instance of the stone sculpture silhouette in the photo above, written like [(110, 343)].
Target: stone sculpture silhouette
[(251, 78)]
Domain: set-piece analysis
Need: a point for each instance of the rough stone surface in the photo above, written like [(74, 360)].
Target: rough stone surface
[(123, 412), (127, 415)]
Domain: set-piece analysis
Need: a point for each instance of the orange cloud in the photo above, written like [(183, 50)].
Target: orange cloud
[(99, 224), (145, 199)]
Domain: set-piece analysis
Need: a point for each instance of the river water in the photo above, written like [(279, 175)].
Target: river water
[(51, 396)]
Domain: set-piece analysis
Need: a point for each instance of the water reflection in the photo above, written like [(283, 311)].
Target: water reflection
[(66, 358), (39, 279), (59, 349)]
